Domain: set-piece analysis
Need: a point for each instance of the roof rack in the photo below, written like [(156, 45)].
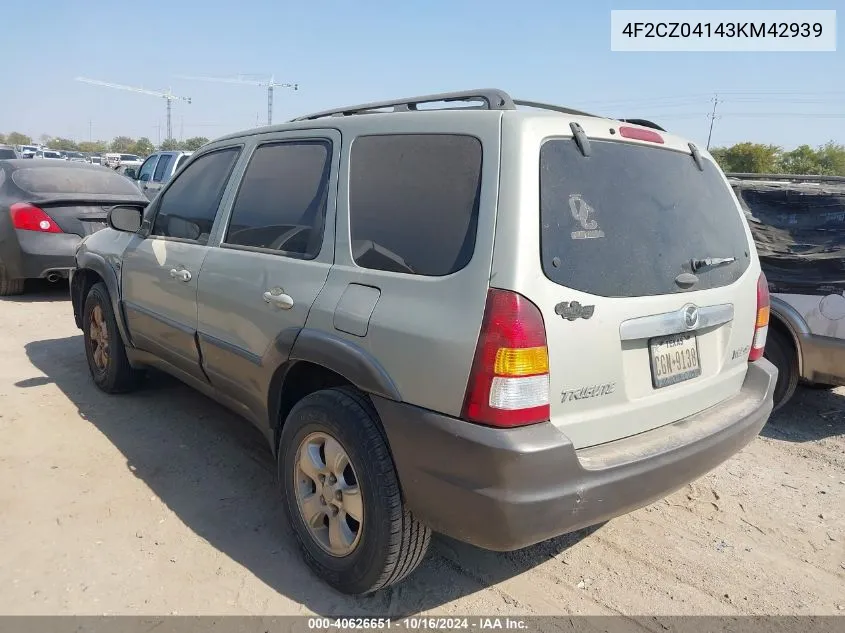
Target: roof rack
[(786, 177), (487, 99), (554, 108)]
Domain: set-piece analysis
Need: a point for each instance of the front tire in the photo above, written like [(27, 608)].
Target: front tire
[(104, 347), (342, 497), (781, 353)]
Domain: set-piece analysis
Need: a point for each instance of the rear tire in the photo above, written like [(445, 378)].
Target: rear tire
[(104, 347), (9, 287), (388, 543), (781, 353)]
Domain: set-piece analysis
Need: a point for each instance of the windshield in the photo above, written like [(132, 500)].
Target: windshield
[(635, 237), (68, 179)]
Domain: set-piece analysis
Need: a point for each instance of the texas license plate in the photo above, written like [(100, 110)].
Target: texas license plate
[(674, 359)]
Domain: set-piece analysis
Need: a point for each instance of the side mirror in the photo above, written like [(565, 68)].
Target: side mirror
[(126, 219)]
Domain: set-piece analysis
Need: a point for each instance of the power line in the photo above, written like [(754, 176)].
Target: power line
[(712, 119)]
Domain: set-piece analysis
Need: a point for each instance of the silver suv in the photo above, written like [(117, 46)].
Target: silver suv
[(498, 323)]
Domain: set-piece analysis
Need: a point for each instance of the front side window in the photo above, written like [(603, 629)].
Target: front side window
[(281, 204), (147, 168), (161, 167), (189, 206), (414, 201)]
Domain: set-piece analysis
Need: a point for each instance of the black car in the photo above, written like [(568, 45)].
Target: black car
[(46, 208)]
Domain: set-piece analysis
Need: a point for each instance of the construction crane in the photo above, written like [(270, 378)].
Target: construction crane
[(269, 83), (169, 96)]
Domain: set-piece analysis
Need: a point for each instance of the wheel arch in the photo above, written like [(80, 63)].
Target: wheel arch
[(319, 360), (91, 269), (789, 321)]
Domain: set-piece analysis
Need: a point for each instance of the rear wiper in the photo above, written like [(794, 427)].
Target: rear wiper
[(708, 262)]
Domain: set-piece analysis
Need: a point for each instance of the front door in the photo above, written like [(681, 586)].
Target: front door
[(162, 170), (257, 287), (160, 272)]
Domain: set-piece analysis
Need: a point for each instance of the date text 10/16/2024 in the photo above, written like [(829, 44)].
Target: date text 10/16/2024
[(418, 623)]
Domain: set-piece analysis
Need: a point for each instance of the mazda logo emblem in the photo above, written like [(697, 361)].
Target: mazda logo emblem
[(690, 316)]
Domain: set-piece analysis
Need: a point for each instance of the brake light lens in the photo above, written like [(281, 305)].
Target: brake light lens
[(509, 381), (640, 134), (28, 217), (761, 324)]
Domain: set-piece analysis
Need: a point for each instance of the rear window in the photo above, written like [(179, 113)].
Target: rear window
[(413, 202), (628, 219), (69, 180), (7, 153), (129, 157)]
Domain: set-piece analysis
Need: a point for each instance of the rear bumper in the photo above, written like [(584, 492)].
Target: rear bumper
[(39, 254), (507, 489)]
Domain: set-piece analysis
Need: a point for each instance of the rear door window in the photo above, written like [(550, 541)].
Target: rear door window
[(281, 204), (413, 202), (628, 219)]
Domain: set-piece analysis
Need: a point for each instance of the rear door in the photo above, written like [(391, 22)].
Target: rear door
[(644, 272), (259, 285), (160, 272)]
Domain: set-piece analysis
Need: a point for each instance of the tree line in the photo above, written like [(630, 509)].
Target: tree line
[(121, 144), (757, 158)]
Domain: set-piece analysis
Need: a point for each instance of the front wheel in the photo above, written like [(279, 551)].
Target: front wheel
[(342, 497), (104, 348)]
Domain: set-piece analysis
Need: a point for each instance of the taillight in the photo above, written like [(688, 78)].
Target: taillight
[(640, 134), (509, 382), (28, 217), (761, 325)]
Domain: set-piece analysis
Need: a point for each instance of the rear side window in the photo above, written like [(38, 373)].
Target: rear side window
[(281, 204), (161, 167), (413, 202), (188, 208), (628, 219), (70, 179)]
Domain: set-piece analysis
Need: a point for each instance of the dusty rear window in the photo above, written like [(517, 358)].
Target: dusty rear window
[(69, 180), (628, 219)]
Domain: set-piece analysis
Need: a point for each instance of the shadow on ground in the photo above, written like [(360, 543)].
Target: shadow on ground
[(811, 415), (215, 471), (41, 290)]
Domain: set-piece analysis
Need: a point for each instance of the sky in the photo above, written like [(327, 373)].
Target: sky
[(342, 53)]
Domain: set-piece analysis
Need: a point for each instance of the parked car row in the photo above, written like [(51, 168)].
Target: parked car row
[(444, 320)]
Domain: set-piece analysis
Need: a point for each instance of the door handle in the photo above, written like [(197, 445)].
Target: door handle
[(180, 274), (278, 298)]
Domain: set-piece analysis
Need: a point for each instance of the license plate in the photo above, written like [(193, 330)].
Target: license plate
[(674, 359)]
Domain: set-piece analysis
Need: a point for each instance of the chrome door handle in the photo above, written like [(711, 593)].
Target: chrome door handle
[(182, 274), (278, 298)]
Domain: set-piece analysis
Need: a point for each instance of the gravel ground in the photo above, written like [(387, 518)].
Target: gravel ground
[(162, 502)]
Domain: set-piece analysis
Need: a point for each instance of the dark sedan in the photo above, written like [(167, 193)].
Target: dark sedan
[(46, 208)]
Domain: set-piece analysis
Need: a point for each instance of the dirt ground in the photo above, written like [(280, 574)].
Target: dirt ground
[(162, 502)]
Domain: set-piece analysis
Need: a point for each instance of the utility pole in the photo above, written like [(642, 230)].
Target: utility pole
[(90, 131), (712, 117)]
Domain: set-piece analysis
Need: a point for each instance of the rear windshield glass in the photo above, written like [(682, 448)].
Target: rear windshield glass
[(628, 219), (128, 157), (69, 180), (7, 153)]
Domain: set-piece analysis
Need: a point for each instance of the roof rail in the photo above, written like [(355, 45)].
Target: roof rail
[(643, 123), (487, 98), (554, 108), (786, 177)]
